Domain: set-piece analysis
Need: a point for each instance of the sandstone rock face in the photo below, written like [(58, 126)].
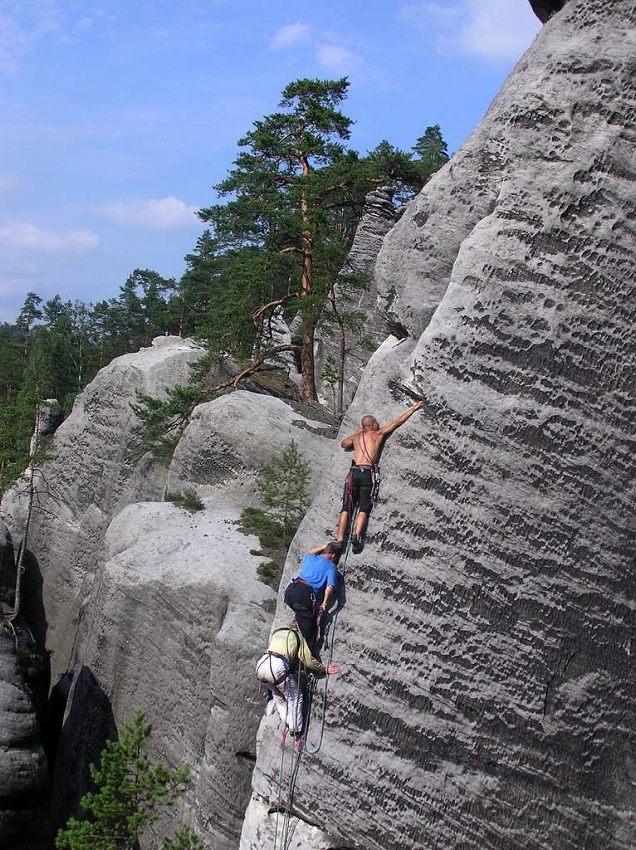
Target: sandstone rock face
[(170, 628), (152, 607), (487, 693), (378, 218), (87, 724), (49, 418), (230, 439), (89, 480), (24, 777)]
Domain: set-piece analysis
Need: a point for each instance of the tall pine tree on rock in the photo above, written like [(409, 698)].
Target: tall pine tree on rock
[(284, 186)]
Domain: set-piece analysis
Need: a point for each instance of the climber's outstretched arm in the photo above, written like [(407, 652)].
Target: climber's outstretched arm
[(401, 419)]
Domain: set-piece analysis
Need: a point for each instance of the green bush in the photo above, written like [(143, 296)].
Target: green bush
[(269, 531), (188, 500), (269, 572), (283, 488), (128, 792)]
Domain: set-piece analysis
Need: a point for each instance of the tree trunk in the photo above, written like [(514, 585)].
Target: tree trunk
[(19, 571), (341, 366), (307, 365)]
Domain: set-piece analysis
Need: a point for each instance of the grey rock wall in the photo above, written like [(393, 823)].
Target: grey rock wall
[(230, 439), (169, 629), (487, 693), (89, 480), (24, 775), (378, 218), (149, 606), (86, 725)]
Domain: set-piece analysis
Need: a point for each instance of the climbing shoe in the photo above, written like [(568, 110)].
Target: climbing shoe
[(356, 544)]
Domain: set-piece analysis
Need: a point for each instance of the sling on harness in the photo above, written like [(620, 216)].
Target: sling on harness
[(278, 680), (373, 468), (265, 668)]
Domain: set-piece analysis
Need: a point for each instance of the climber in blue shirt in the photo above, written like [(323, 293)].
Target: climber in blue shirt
[(309, 594)]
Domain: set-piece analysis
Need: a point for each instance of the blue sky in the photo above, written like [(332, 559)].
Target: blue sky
[(119, 117)]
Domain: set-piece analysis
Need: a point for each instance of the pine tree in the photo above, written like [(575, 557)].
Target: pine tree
[(283, 489), (283, 187), (295, 197), (129, 792), (432, 152)]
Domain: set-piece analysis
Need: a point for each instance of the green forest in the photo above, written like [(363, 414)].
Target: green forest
[(274, 243)]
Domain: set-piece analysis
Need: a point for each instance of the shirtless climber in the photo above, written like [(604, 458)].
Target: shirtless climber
[(364, 476), (281, 669)]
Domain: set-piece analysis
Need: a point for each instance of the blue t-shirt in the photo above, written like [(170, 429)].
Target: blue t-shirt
[(318, 572)]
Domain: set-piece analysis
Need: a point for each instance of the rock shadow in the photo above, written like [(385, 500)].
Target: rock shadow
[(87, 724)]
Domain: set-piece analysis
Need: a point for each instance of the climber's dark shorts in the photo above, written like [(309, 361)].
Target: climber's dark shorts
[(357, 489), (303, 601)]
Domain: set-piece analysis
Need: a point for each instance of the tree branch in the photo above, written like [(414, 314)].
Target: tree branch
[(254, 366), (278, 302)]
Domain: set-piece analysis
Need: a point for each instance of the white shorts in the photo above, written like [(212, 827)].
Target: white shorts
[(287, 695)]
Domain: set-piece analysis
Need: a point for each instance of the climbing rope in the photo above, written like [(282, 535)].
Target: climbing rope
[(331, 636), (288, 828), (279, 793), (286, 807)]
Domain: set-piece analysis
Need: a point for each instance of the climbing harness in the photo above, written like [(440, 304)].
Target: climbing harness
[(330, 636), (375, 472), (285, 807), (283, 831)]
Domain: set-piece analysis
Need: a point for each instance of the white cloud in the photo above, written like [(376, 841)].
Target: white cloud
[(329, 55), (11, 286), (337, 60), (490, 29), (25, 236), (291, 35), (155, 214), (20, 31), (10, 183)]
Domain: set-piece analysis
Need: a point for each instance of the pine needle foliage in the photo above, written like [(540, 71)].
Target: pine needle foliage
[(283, 488), (130, 790), (269, 531), (163, 421), (188, 500)]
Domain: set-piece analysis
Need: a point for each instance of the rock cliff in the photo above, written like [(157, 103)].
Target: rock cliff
[(487, 698), (378, 218), (24, 776), (89, 479), (148, 605)]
